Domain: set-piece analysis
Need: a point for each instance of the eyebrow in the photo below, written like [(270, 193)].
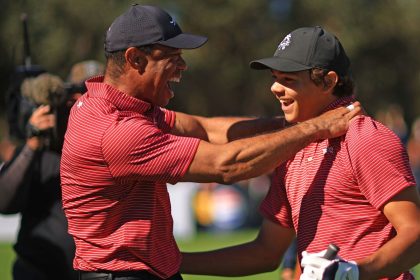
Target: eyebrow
[(280, 74), (173, 53), (169, 52)]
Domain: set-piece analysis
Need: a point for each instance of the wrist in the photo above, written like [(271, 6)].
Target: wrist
[(312, 129), (32, 131), (34, 143)]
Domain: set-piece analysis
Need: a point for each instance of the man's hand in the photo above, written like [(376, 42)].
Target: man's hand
[(316, 267), (335, 123), (40, 121)]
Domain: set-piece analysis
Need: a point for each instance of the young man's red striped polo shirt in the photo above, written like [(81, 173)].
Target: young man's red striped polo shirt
[(332, 191), (117, 158)]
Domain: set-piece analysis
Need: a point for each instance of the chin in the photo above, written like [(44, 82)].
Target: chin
[(290, 119), (164, 103)]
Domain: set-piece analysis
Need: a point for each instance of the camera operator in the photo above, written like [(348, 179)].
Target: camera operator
[(30, 180)]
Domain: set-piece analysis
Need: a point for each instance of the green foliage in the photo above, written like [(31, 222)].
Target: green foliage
[(381, 38), (7, 257)]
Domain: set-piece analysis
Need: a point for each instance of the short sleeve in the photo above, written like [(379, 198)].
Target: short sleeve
[(140, 149), (165, 118), (275, 205), (379, 161)]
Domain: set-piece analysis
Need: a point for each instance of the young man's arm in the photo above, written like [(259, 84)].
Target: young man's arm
[(402, 252), (260, 255), (253, 156)]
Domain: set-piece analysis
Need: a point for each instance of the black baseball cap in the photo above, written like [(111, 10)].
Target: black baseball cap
[(143, 25), (306, 48)]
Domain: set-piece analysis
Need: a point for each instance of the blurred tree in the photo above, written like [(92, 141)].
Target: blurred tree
[(380, 36), (221, 81)]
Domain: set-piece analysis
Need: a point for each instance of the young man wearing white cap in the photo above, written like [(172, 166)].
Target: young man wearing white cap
[(122, 147), (356, 191)]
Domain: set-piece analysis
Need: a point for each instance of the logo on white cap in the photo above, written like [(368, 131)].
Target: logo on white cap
[(285, 42)]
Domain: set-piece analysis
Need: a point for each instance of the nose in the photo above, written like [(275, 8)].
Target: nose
[(181, 64), (277, 89)]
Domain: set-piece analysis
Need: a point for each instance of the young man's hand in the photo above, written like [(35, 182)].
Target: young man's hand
[(316, 267)]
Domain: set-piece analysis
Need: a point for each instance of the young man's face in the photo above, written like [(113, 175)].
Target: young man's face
[(299, 96)]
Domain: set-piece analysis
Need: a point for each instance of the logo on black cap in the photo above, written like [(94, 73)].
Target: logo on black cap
[(285, 42)]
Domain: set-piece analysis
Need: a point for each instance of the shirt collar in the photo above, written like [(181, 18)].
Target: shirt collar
[(342, 101), (96, 88)]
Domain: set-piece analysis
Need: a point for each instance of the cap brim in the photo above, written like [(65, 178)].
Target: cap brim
[(279, 64), (184, 41)]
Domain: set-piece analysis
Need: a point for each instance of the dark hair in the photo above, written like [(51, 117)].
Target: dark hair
[(118, 60), (344, 86)]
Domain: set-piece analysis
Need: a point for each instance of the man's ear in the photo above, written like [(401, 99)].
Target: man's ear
[(330, 80), (136, 58)]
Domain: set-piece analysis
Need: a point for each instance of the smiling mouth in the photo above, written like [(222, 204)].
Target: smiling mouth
[(171, 81), (175, 79), (286, 102)]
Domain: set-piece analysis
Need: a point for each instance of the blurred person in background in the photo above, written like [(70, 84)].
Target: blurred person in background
[(288, 267), (356, 191), (122, 147), (30, 180), (392, 116), (30, 185), (80, 72)]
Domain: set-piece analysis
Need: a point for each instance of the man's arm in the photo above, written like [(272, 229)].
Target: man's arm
[(260, 255), (14, 176), (402, 252), (250, 157), (221, 130)]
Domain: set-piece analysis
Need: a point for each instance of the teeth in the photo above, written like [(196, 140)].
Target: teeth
[(175, 79), (286, 102)]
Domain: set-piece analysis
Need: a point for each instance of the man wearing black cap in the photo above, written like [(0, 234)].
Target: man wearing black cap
[(356, 191), (122, 147)]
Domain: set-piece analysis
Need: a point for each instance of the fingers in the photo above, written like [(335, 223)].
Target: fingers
[(354, 109), (312, 260), (41, 110), (46, 122), (350, 107), (42, 119)]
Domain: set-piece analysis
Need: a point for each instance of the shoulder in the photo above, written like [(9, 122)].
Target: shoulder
[(130, 125), (367, 137), (366, 130), (133, 130)]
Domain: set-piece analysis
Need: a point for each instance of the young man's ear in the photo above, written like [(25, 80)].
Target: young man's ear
[(330, 80), (136, 58)]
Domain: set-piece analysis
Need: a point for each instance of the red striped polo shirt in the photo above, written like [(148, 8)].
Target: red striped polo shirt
[(117, 157), (332, 191)]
